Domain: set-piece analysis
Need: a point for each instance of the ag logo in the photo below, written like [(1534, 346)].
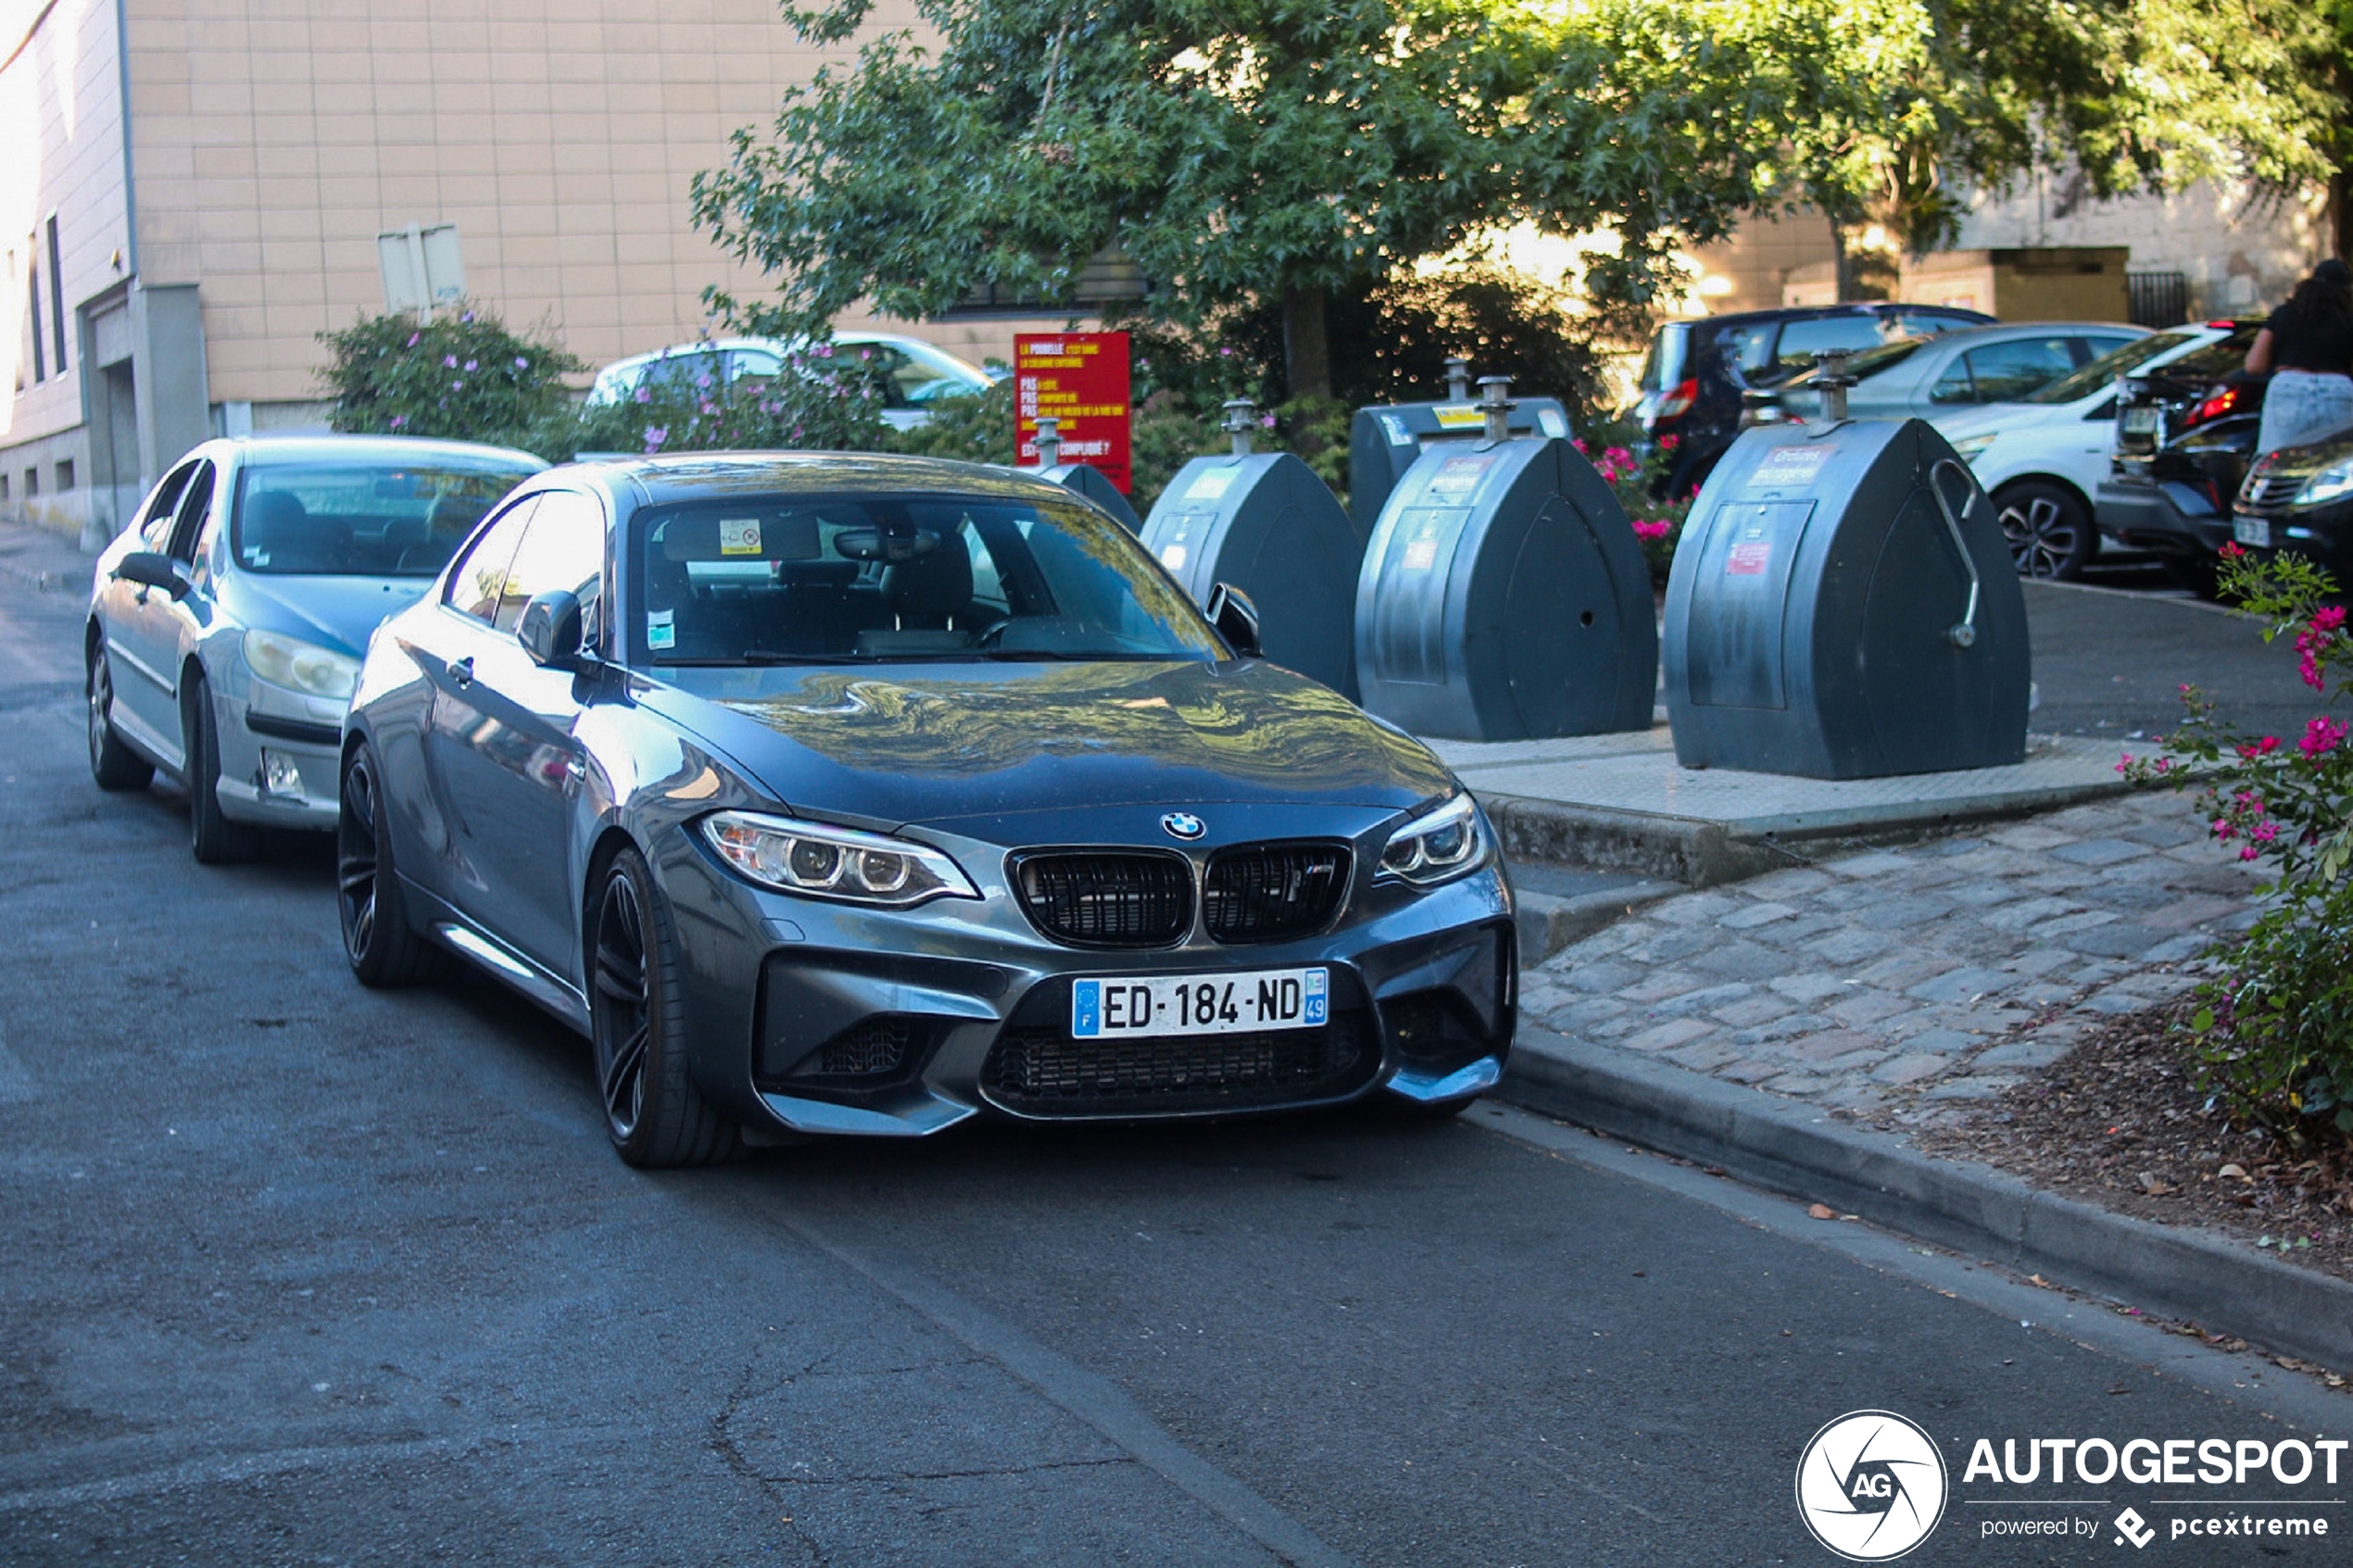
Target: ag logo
[(1871, 1485)]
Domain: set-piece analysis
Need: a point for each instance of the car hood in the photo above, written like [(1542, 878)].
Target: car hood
[(937, 742), (339, 613)]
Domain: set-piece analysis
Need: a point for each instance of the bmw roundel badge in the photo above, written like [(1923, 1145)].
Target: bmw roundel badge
[(1184, 825)]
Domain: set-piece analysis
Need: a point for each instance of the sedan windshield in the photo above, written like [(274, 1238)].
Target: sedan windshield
[(862, 578), (356, 519), (2098, 376)]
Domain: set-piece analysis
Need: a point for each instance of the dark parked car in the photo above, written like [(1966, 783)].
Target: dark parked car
[(1696, 371), (2186, 433), (2300, 499), (859, 795)]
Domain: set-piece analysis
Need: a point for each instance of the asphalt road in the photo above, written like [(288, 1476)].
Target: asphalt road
[(294, 1273), (2112, 664)]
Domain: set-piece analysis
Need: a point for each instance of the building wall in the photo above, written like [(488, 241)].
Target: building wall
[(61, 156)]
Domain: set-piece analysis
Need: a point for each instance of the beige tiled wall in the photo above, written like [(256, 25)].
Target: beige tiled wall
[(275, 139)]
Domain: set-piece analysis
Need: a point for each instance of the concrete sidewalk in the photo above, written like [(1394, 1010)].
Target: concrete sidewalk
[(1620, 801)]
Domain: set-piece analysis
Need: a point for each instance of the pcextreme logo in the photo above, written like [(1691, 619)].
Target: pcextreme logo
[(1871, 1485)]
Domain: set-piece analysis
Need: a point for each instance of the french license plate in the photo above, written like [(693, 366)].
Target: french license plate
[(1142, 1006), (2140, 421), (2255, 531)]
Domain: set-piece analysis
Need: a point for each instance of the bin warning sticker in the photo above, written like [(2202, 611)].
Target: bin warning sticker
[(1211, 485), (1791, 468), (1456, 478), (1748, 557), (738, 535), (1395, 428), (1419, 555), (1461, 416)]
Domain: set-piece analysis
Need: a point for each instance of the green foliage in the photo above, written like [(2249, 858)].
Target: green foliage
[(828, 399), (461, 376), (2276, 1030)]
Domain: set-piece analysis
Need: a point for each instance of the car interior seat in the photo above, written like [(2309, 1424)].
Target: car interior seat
[(930, 597), (280, 534)]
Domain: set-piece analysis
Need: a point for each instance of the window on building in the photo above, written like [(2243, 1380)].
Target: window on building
[(64, 473), (56, 305), (32, 483), (4, 486), (40, 363)]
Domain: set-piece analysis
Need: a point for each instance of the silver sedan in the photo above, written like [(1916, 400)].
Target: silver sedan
[(228, 620)]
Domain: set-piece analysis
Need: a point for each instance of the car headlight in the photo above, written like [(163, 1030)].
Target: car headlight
[(2327, 485), (1435, 846), (300, 666), (1969, 446), (820, 862)]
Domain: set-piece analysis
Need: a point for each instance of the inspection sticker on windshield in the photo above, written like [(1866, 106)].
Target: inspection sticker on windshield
[(661, 630), (738, 535), (1788, 468), (1143, 1006)]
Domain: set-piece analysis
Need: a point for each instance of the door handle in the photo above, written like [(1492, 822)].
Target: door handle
[(461, 671)]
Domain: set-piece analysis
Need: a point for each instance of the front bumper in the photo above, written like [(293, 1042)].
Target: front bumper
[(820, 1018), (278, 768), (2166, 517)]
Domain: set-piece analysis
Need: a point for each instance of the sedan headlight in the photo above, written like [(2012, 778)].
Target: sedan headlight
[(1969, 446), (820, 862), (1438, 844), (2327, 485), (300, 666)]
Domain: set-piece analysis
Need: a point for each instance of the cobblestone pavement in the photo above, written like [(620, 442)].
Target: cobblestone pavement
[(1932, 972)]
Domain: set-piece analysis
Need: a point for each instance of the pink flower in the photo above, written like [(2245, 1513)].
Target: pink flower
[(2232, 551), (655, 436), (1658, 530), (412, 340), (2248, 853), (1579, 442), (1267, 421), (2321, 737), (2264, 747), (398, 419), (2330, 619), (645, 395), (450, 361), (1668, 442), (521, 363), (469, 365), (2223, 828), (2265, 832), (1618, 455)]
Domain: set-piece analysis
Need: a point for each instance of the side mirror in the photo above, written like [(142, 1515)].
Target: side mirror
[(1236, 620), (153, 569), (549, 630)]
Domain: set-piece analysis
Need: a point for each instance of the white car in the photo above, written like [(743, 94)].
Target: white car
[(2043, 456), (918, 371)]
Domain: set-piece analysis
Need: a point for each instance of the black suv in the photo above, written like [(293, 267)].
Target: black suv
[(2184, 435), (1696, 371)]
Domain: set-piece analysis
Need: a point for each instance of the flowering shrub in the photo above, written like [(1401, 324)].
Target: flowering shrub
[(463, 376), (2276, 1029), (828, 399), (1658, 524)]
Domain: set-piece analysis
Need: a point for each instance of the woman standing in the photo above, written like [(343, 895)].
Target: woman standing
[(2308, 345)]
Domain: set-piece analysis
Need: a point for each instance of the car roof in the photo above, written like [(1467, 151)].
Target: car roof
[(775, 345), (1852, 308), (691, 476), (258, 450)]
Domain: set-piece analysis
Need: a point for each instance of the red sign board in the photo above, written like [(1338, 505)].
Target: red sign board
[(1079, 380)]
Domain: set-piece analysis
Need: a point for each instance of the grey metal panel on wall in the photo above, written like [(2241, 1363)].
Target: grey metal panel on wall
[(1265, 524), (1503, 597), (1830, 616)]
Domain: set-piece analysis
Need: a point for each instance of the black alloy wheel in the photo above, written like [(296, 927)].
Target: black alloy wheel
[(212, 836), (382, 946), (653, 1112), (112, 762), (2049, 534)]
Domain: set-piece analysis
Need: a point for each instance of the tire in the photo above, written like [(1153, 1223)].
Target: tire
[(214, 839), (112, 762), (382, 946), (2047, 528), (653, 1112)]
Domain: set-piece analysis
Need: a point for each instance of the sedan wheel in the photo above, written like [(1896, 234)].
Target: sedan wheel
[(653, 1111), (382, 946), (2047, 528), (112, 763)]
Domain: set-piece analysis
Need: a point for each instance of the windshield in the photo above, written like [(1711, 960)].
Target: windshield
[(350, 519), (869, 579), (2096, 377)]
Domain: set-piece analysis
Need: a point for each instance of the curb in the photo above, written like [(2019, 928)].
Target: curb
[(1548, 922), (1704, 854), (1795, 1149)]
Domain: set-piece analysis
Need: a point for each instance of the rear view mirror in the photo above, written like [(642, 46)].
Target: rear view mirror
[(153, 569), (1236, 620), (549, 630)]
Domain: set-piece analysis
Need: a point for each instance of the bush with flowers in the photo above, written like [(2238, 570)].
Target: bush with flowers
[(829, 399), (1632, 479), (2275, 1028), (460, 375)]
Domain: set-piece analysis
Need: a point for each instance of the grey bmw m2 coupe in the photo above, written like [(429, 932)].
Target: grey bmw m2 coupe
[(857, 795)]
